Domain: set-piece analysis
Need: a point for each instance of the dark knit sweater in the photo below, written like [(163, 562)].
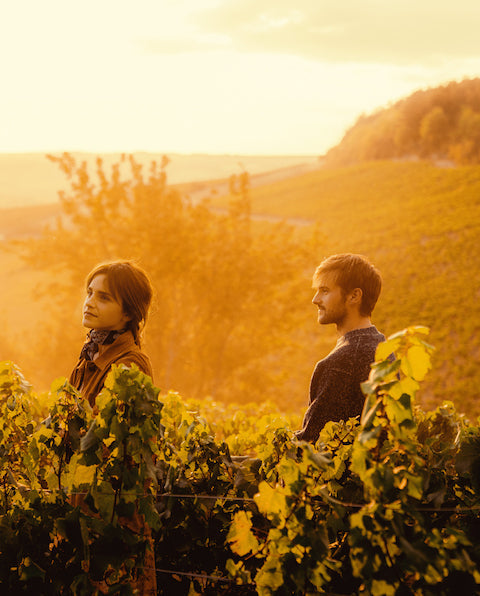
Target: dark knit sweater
[(335, 392)]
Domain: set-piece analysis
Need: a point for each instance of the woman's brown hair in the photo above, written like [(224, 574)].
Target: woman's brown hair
[(131, 287)]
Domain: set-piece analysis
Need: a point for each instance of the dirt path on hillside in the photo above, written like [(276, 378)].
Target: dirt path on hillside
[(222, 188)]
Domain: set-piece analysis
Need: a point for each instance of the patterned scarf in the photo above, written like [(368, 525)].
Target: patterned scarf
[(96, 338)]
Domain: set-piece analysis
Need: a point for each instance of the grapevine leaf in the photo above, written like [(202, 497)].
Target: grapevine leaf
[(382, 588), (240, 535), (90, 439), (417, 363), (368, 416), (386, 348), (270, 500), (269, 578)]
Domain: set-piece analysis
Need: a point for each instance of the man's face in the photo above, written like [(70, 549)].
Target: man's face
[(330, 300)]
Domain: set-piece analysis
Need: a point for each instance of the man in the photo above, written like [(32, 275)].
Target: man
[(347, 289)]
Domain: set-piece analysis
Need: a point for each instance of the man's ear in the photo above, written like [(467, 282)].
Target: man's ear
[(355, 296)]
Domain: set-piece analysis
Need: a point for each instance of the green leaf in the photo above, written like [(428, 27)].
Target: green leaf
[(90, 439), (29, 569), (368, 417)]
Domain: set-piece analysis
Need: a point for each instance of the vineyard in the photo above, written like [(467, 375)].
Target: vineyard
[(231, 502), (420, 225)]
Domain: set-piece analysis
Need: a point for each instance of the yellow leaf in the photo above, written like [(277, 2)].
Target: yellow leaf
[(385, 348), (270, 500), (407, 385), (77, 474), (84, 474), (397, 412), (420, 329), (103, 398), (240, 534), (416, 364), (270, 577), (415, 486), (289, 471), (381, 588)]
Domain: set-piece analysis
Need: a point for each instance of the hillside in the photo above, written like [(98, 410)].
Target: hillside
[(440, 123), (418, 223), (421, 225)]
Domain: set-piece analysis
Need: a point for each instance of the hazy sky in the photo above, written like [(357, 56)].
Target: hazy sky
[(218, 76)]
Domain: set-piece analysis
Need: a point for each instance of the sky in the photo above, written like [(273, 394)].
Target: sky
[(257, 77)]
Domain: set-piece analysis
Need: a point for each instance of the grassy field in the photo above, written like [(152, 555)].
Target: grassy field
[(418, 223)]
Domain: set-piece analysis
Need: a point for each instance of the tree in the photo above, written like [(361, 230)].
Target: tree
[(229, 292), (427, 123), (434, 129), (466, 148)]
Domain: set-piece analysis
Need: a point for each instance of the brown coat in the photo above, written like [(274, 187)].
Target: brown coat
[(89, 376)]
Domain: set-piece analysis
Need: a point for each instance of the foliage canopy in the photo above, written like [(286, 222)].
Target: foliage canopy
[(229, 293), (439, 123), (388, 504)]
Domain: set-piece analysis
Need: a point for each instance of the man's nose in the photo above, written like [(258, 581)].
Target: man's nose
[(316, 298)]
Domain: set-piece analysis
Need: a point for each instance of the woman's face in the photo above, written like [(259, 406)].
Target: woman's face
[(100, 309)]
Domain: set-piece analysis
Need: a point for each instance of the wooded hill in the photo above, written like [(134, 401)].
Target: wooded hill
[(441, 123), (420, 224)]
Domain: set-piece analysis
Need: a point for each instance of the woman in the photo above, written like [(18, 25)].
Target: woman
[(115, 310)]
